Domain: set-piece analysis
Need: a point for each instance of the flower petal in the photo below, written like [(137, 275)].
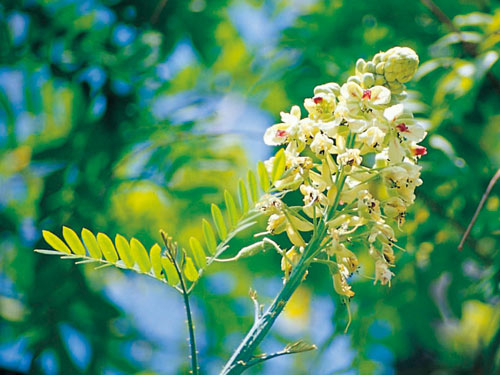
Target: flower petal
[(392, 113)]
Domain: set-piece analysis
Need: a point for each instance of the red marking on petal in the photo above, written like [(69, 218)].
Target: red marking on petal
[(281, 133), (317, 99), (402, 127), (419, 151), (367, 94)]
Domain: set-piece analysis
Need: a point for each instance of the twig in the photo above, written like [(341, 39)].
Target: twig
[(157, 11), (185, 294), (264, 357), (467, 47), (492, 183)]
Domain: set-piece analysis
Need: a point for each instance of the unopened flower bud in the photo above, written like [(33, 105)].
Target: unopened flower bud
[(354, 79), (276, 223), (401, 64), (378, 57), (360, 66), (370, 67), (328, 88), (379, 80), (367, 80), (379, 68)]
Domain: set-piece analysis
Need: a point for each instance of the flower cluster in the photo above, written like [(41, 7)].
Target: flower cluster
[(354, 160)]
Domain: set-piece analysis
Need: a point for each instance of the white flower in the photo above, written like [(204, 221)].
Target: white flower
[(382, 273), (283, 132), (373, 137), (374, 98), (404, 124), (310, 194), (322, 144), (351, 157), (321, 106)]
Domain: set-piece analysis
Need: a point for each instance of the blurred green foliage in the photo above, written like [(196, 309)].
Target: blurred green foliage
[(127, 116)]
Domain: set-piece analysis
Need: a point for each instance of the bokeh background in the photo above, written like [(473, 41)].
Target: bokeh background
[(128, 116)]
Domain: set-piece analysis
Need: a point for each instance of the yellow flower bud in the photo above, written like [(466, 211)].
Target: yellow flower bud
[(401, 63)]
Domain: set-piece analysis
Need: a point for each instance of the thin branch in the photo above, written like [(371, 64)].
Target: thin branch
[(264, 357), (189, 318), (157, 11), (468, 48), (492, 183)]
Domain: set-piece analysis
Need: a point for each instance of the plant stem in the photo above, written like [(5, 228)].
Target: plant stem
[(240, 358), (239, 361), (190, 324), (189, 318), (492, 183)]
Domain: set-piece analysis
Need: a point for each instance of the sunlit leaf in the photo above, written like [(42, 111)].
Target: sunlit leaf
[(278, 165), (263, 176), (197, 252), (243, 195), (155, 255), (140, 255), (252, 186), (55, 242), (172, 276), (209, 235), (123, 248), (190, 270), (91, 244), (218, 219), (107, 247), (231, 208), (73, 241)]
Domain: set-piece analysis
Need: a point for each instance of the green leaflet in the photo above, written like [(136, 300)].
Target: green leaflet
[(242, 190), (124, 251), (55, 242), (197, 252), (172, 276), (278, 165), (263, 176), (220, 225), (155, 255), (252, 185), (232, 211), (73, 241), (190, 270), (91, 244), (107, 247), (140, 255), (209, 235)]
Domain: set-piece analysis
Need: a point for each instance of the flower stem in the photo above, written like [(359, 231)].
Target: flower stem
[(189, 318), (243, 354)]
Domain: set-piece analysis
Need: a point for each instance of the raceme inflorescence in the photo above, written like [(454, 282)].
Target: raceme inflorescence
[(354, 159)]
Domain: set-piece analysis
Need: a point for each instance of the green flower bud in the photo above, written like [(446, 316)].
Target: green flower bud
[(396, 87), (328, 88), (360, 66), (367, 80), (251, 250), (401, 63), (377, 58), (379, 80), (379, 69), (354, 79), (370, 67)]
